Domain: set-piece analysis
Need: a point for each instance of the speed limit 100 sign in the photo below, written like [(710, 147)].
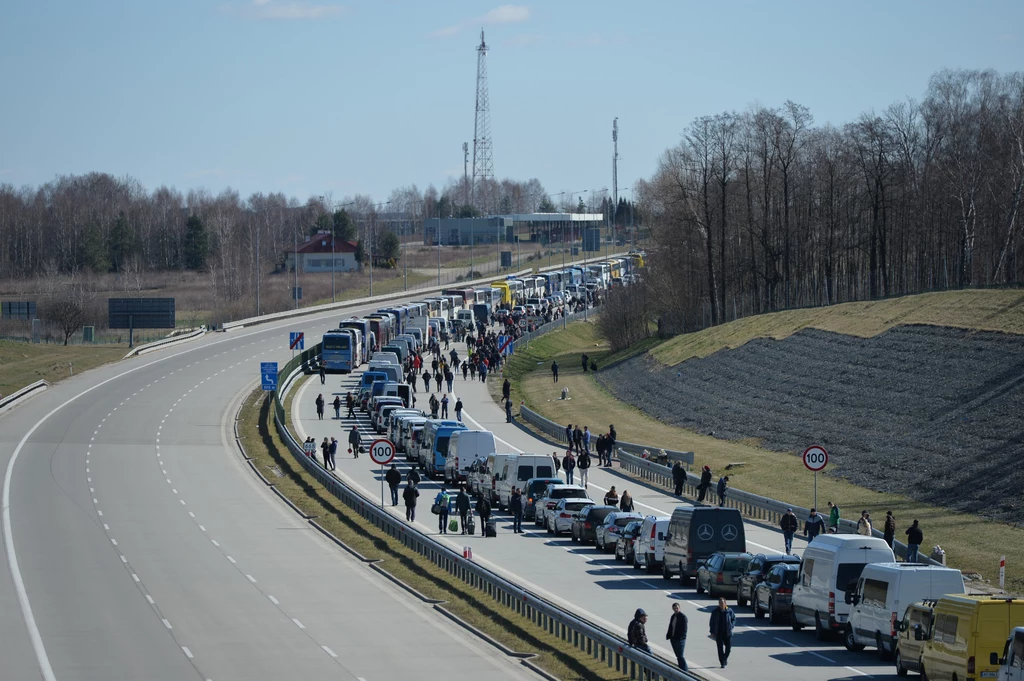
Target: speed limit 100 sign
[(382, 451), (815, 458)]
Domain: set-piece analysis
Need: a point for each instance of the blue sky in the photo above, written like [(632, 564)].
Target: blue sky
[(315, 96)]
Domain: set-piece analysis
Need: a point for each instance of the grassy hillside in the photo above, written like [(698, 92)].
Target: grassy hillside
[(25, 363)]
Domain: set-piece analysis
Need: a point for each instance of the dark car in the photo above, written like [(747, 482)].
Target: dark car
[(720, 574), (755, 573), (532, 491), (775, 594), (584, 527), (625, 544)]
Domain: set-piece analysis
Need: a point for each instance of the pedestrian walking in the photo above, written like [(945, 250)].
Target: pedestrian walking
[(413, 477), (320, 407), (676, 635), (626, 502), (426, 381), (584, 361), (324, 447), (323, 374), (442, 507), (413, 377), (833, 518), (586, 440), (462, 507), (723, 489), (394, 478), (434, 406), (350, 403), (506, 390), (508, 411), (915, 537), (569, 466), (444, 406), (458, 409), (554, 371), (583, 466), (864, 524), (889, 530), (409, 495), (483, 371), (558, 463), (337, 406), (577, 439), (472, 370), (483, 509), (705, 483), (611, 497), (612, 438), (354, 441), (515, 505), (789, 525), (465, 370), (678, 478), (331, 451), (568, 435), (814, 525), (636, 634), (723, 619)]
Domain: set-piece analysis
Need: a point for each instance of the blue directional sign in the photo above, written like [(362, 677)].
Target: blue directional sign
[(296, 340), (268, 375)]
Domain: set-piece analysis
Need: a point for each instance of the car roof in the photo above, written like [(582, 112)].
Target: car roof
[(778, 557)]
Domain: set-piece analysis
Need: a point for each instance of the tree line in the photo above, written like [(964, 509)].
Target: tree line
[(762, 210)]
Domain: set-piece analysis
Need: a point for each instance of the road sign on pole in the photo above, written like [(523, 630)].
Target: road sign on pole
[(268, 375), (296, 340), (382, 452), (815, 459)]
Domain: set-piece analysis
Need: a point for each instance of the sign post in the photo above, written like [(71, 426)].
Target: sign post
[(1002, 573), (815, 459), (382, 452)]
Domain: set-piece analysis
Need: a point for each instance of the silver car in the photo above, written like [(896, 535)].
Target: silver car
[(559, 519), (607, 534)]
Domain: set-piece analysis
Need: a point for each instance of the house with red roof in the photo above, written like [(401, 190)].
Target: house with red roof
[(316, 253)]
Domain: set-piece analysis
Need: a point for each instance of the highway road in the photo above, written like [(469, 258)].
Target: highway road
[(591, 583), (138, 546)]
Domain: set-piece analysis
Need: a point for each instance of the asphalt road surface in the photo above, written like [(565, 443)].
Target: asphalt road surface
[(138, 545), (594, 584)]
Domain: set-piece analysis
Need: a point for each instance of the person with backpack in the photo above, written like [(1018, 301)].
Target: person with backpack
[(443, 507), (569, 466), (583, 466), (789, 526), (409, 495)]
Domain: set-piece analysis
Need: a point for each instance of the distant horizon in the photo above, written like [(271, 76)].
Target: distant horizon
[(298, 98)]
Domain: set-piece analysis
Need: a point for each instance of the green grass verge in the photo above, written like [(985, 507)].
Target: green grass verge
[(261, 441), (972, 544), (22, 364)]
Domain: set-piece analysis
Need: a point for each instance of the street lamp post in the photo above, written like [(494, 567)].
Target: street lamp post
[(295, 267)]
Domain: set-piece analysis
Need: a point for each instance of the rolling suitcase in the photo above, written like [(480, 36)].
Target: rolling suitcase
[(470, 525), (492, 528)]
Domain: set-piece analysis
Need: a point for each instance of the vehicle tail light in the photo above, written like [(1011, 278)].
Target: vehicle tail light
[(784, 590), (587, 526), (831, 602), (565, 515), (529, 500), (970, 664), (652, 532), (720, 578)]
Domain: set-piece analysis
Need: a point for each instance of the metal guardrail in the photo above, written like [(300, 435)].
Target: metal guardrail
[(750, 505), (596, 641), (557, 432), (17, 395), (164, 342)]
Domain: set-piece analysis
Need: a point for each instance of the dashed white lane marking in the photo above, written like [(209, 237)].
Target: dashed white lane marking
[(182, 501), (251, 578), (273, 600), (299, 624), (106, 527), (113, 541), (174, 491), (136, 577), (167, 624), (329, 651), (123, 559), (150, 599), (193, 515), (188, 653), (99, 512), (215, 542), (233, 561), (202, 528)]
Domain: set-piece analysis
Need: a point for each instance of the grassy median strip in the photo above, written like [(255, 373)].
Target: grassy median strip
[(271, 456), (22, 364), (972, 544)]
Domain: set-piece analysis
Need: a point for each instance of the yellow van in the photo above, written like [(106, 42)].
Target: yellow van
[(965, 631)]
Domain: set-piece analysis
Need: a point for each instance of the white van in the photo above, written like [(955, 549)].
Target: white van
[(1012, 661), (831, 566), (465, 447), (386, 358), (490, 475), (883, 593), (518, 469), (649, 547)]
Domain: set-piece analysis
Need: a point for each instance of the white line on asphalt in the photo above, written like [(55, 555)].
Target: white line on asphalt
[(273, 600), (150, 599), (188, 653), (182, 501), (214, 541), (99, 512), (202, 528), (113, 541), (233, 561), (106, 527), (251, 578), (174, 491), (329, 651), (123, 559), (167, 624), (192, 514), (136, 577), (298, 623), (95, 502)]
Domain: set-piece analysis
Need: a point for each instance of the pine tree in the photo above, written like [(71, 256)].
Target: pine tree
[(197, 244)]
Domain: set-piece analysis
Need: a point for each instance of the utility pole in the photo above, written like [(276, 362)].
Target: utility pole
[(615, 160), (295, 268)]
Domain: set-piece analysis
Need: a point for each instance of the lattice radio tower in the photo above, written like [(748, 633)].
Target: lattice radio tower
[(483, 162)]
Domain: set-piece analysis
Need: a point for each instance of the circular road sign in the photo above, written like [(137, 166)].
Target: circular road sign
[(815, 458), (382, 451)]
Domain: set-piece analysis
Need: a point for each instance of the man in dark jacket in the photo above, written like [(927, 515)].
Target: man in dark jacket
[(554, 371), (705, 483), (914, 539), (337, 406), (413, 477), (789, 525), (636, 634), (515, 505), (350, 402), (723, 487), (814, 525), (723, 619), (889, 532), (483, 509), (354, 441), (506, 390), (676, 635), (609, 449), (577, 439), (678, 477), (462, 506), (394, 479), (320, 407), (583, 466), (583, 361), (323, 374), (409, 495)]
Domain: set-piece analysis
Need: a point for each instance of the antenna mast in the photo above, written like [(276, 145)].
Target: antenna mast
[(465, 173), (483, 163), (615, 164)]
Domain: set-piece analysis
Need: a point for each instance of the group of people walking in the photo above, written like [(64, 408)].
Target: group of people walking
[(816, 524), (579, 441), (720, 628)]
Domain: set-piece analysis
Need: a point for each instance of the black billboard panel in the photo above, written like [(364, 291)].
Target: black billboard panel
[(18, 310), (140, 313)]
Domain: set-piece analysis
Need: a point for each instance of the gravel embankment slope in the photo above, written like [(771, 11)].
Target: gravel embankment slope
[(934, 413)]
